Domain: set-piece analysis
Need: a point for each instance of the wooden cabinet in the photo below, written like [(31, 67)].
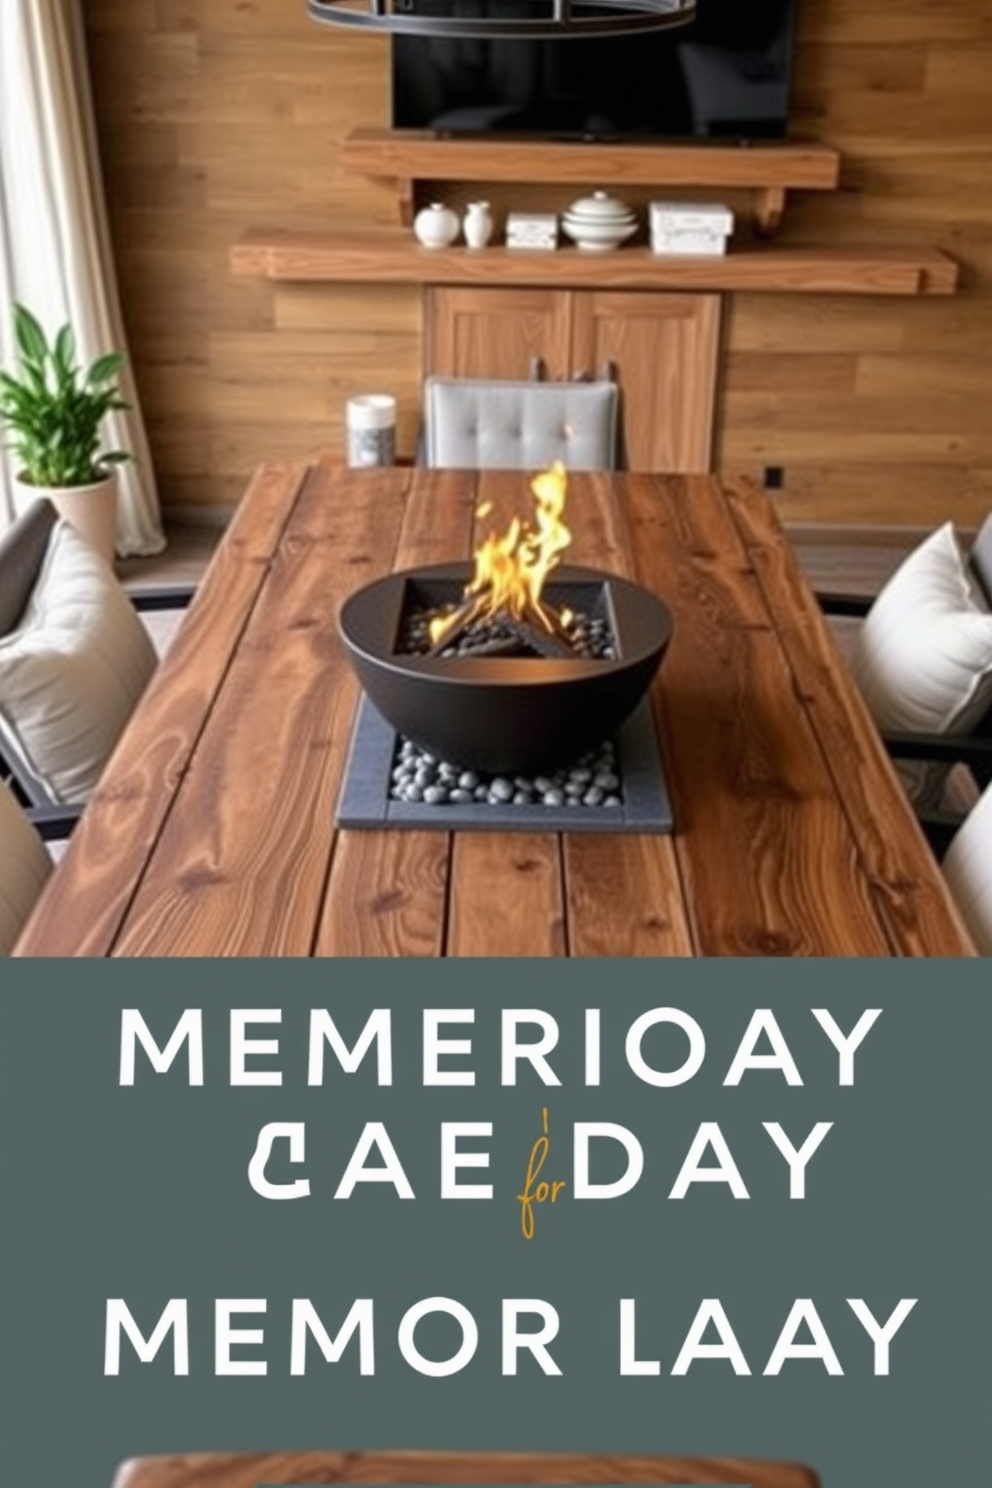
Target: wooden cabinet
[(662, 349), (497, 332)]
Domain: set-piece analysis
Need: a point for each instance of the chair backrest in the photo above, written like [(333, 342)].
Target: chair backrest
[(24, 869), (967, 866), (980, 558), (485, 425), (22, 551), (74, 659)]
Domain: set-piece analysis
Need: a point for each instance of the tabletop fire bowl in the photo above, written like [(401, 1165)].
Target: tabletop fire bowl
[(504, 713)]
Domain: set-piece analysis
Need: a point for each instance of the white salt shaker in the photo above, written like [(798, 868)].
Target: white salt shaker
[(477, 224)]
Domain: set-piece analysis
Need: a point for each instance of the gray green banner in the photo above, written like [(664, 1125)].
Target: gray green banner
[(698, 1221)]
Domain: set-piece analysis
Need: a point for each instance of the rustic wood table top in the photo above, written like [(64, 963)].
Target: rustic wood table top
[(249, 1469), (213, 830)]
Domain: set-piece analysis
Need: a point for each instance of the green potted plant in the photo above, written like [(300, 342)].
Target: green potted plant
[(54, 410)]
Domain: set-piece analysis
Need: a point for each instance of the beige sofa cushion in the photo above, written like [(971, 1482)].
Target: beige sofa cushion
[(922, 658), (72, 671)]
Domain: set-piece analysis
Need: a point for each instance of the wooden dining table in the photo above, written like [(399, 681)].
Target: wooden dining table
[(213, 830)]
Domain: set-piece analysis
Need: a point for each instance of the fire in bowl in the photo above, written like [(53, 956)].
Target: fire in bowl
[(504, 713), (496, 665)]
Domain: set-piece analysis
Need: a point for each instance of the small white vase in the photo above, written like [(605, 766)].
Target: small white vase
[(436, 226), (92, 510), (477, 224)]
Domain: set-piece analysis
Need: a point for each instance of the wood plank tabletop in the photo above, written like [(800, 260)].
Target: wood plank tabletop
[(213, 829), (249, 1469)]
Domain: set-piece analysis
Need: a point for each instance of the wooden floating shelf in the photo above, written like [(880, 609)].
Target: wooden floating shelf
[(386, 152), (768, 170), (385, 257)]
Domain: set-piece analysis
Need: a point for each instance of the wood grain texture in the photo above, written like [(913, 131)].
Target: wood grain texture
[(506, 895), (216, 118), (486, 332), (412, 152), (105, 861), (664, 350), (917, 913), (387, 891), (640, 873), (242, 868), (661, 349), (386, 895), (247, 1470), (397, 258), (759, 823), (213, 829)]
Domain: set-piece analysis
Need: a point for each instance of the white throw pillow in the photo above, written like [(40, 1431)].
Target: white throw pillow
[(72, 671), (923, 656), (968, 869), (24, 868)]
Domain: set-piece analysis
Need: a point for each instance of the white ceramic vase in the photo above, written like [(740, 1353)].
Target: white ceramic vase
[(477, 224), (436, 226), (92, 510)]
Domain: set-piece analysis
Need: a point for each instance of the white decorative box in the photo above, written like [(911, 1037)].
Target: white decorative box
[(532, 230), (686, 241), (690, 227)]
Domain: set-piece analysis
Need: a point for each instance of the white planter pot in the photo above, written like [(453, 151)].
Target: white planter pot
[(92, 510)]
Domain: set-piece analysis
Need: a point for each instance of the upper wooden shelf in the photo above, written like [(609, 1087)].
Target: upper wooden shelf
[(766, 170), (395, 257)]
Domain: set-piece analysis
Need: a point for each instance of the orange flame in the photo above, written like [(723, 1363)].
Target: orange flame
[(511, 569)]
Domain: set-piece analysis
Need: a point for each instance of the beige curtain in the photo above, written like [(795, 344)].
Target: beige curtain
[(55, 251)]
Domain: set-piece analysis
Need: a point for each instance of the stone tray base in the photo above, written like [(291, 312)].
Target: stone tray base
[(364, 801)]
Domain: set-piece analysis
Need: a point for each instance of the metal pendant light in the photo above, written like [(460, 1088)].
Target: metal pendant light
[(520, 19)]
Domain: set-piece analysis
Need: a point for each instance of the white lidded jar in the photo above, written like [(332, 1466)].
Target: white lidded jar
[(436, 226), (477, 224), (371, 426)]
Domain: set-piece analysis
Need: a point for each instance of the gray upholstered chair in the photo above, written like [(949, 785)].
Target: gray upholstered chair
[(74, 659), (482, 424), (24, 868), (967, 866)]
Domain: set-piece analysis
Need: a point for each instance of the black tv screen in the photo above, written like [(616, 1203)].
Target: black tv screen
[(725, 75)]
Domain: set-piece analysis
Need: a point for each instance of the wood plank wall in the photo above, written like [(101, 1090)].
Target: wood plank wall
[(215, 117)]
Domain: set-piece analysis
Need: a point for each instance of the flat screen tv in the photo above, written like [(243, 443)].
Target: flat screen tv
[(726, 75)]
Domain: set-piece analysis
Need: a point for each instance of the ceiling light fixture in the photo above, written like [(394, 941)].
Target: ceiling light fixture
[(521, 19)]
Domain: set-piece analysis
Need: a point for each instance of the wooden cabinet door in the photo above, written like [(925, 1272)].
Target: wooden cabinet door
[(496, 332), (664, 350)]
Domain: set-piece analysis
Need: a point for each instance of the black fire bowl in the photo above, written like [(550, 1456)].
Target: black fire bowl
[(504, 714)]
